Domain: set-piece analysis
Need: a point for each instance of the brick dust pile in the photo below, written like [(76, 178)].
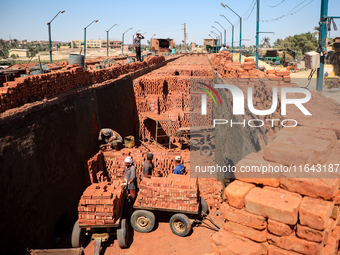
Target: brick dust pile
[(284, 215)]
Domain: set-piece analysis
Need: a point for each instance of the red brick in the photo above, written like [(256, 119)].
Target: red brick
[(279, 228), (292, 243), (225, 242), (315, 213), (252, 234), (274, 205), (325, 188), (243, 217), (273, 250), (235, 193), (336, 233), (331, 247), (309, 234), (324, 124)]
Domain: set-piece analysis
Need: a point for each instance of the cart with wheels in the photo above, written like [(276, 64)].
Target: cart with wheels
[(143, 219), (99, 229)]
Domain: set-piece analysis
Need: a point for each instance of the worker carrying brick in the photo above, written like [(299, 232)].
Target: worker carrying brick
[(148, 166), (131, 180), (180, 168), (137, 45), (110, 137)]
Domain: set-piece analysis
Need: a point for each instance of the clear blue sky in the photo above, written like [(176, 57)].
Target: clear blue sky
[(27, 19)]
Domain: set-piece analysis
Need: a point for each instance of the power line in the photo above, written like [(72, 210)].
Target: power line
[(273, 6), (292, 13), (250, 12), (249, 8)]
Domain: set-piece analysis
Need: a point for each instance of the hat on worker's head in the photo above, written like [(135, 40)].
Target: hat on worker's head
[(149, 156), (178, 158), (128, 160)]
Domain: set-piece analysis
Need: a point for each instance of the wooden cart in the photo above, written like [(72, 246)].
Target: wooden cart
[(143, 219), (101, 233)]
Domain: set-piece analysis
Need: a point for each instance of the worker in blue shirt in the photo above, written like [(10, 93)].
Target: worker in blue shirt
[(179, 169)]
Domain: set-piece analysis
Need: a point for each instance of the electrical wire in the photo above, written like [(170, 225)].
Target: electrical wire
[(312, 72), (273, 5), (292, 13), (250, 12), (249, 8)]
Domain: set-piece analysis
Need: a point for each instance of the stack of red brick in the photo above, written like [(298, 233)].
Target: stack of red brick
[(285, 214), (100, 204), (110, 164), (36, 87), (176, 192)]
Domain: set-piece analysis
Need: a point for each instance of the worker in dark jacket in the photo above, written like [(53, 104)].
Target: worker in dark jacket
[(148, 166)]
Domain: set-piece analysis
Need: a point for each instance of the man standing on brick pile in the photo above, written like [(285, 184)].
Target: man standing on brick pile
[(137, 45), (179, 169), (110, 137), (131, 181), (148, 166)]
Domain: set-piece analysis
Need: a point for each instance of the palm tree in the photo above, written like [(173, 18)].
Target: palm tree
[(265, 42)]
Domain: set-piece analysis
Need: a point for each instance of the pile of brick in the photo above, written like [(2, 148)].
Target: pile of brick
[(285, 214), (109, 165), (176, 192), (100, 204), (37, 87)]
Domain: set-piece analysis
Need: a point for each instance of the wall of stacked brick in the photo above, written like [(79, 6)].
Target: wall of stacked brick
[(100, 204), (175, 192), (285, 215), (166, 91), (37, 87)]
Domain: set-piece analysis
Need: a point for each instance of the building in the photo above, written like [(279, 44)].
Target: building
[(89, 43), (113, 45), (195, 48), (19, 52), (211, 42), (161, 45)]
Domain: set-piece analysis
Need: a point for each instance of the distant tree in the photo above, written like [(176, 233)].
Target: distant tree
[(265, 42), (3, 49)]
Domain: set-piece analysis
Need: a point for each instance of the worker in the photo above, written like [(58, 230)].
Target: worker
[(223, 48), (131, 181), (148, 166), (137, 45), (110, 137), (179, 169)]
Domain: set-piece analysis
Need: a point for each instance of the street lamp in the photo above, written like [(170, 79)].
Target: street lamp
[(225, 34), (232, 34), (85, 37), (49, 34), (144, 33), (224, 5), (151, 43), (123, 38), (107, 39), (220, 34)]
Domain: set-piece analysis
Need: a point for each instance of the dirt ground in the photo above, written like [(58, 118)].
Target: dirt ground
[(162, 241)]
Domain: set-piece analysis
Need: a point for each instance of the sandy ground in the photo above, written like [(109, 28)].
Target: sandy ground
[(163, 242)]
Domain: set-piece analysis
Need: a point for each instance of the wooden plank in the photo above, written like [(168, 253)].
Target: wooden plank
[(165, 209)]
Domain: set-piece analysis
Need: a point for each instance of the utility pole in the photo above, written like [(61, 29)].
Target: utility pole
[(322, 42), (185, 37)]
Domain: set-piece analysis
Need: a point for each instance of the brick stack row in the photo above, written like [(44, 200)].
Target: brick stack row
[(280, 213), (175, 192), (110, 164), (36, 87), (100, 204)]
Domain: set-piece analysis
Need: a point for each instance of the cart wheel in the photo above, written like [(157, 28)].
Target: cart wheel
[(204, 205), (143, 221), (180, 224), (205, 150), (77, 235), (123, 234)]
